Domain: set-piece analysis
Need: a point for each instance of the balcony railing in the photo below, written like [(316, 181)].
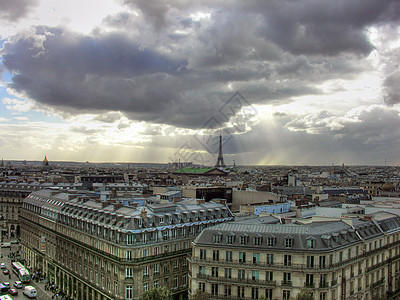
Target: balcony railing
[(323, 284), (309, 284), (270, 283), (286, 283)]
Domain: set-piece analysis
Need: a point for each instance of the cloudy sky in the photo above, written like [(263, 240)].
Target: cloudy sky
[(285, 82)]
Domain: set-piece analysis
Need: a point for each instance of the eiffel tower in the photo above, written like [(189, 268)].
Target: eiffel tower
[(220, 159)]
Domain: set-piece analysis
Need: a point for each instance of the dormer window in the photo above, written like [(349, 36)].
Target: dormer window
[(161, 219), (310, 243), (243, 239), (217, 238), (140, 222), (257, 240), (230, 238), (289, 242), (270, 241)]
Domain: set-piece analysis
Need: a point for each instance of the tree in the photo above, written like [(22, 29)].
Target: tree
[(200, 295), (305, 294), (157, 294)]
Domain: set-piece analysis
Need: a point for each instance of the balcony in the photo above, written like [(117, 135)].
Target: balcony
[(378, 283), (323, 284), (309, 284), (269, 283), (286, 283)]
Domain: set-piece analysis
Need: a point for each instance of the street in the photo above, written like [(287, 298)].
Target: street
[(41, 293)]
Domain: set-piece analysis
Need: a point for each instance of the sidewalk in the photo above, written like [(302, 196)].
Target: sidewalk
[(40, 285)]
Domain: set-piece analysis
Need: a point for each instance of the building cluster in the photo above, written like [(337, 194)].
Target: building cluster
[(114, 231)]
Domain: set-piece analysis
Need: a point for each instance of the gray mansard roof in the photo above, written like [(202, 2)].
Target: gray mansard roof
[(57, 206), (326, 235)]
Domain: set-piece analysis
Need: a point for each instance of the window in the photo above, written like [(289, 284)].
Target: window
[(146, 287), (310, 243), (254, 293), (310, 261), (128, 273), (214, 289), (217, 238), (242, 257), (269, 276), (175, 264), (214, 271), (156, 268), (255, 275), (202, 270), (286, 295), (128, 292), (257, 241), (203, 254), (202, 286), (228, 256), (322, 262), (310, 280), (165, 235), (268, 294), (322, 296), (287, 278), (270, 242), (156, 250), (243, 239), (146, 271), (241, 274), (288, 242), (215, 255), (155, 284), (256, 258), (322, 281), (287, 260), (176, 284), (241, 291), (270, 259), (228, 273), (229, 239), (227, 291)]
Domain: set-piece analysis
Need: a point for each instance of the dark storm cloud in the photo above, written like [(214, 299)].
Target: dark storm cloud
[(185, 70), (392, 88), (12, 10)]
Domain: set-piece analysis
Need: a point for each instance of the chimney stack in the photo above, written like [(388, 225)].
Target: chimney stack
[(144, 214)]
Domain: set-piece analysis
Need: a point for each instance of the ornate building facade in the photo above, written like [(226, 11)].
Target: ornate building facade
[(101, 250), (336, 259)]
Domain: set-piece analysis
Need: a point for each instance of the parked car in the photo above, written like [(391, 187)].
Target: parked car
[(3, 288), (13, 292), (3, 265), (6, 272), (14, 242), (18, 284), (7, 284)]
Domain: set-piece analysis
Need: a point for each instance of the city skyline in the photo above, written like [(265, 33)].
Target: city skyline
[(136, 81)]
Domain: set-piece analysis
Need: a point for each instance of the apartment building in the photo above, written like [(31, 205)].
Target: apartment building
[(103, 250), (11, 198), (353, 258)]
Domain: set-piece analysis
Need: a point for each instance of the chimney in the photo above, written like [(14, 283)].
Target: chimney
[(200, 201), (367, 217), (118, 206), (176, 199), (222, 201), (144, 214)]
